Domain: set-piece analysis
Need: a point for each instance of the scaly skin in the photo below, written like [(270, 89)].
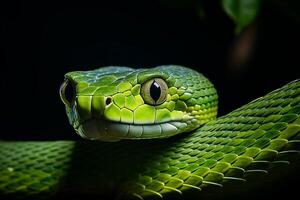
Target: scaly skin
[(256, 143), (190, 102)]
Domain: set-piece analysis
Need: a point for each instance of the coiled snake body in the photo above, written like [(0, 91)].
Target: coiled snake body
[(209, 158)]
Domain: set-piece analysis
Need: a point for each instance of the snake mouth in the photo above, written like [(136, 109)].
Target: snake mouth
[(100, 129)]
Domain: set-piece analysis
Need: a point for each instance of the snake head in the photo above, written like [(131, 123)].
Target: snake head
[(113, 103)]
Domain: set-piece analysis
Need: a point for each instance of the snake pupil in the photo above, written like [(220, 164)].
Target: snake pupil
[(155, 91)]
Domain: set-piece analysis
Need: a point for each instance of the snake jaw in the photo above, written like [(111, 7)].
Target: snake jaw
[(101, 129), (101, 123)]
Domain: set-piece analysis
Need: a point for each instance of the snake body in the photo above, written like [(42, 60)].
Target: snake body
[(256, 143)]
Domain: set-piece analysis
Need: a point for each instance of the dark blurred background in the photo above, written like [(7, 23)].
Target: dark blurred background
[(42, 40)]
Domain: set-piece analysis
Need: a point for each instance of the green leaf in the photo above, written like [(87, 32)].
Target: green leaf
[(243, 12)]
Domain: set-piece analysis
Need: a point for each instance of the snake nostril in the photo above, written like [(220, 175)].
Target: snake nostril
[(108, 100)]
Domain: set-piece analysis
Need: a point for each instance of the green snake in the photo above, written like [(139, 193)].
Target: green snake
[(167, 141)]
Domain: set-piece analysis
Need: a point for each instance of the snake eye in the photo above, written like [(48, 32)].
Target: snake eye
[(154, 91), (67, 92)]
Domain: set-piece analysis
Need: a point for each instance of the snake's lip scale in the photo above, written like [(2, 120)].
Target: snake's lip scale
[(101, 129), (110, 121)]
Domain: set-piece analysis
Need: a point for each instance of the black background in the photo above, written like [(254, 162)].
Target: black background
[(42, 40)]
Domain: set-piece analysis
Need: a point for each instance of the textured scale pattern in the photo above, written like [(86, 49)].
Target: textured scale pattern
[(257, 142), (190, 102)]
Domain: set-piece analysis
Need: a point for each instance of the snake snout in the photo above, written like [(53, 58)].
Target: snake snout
[(89, 107)]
